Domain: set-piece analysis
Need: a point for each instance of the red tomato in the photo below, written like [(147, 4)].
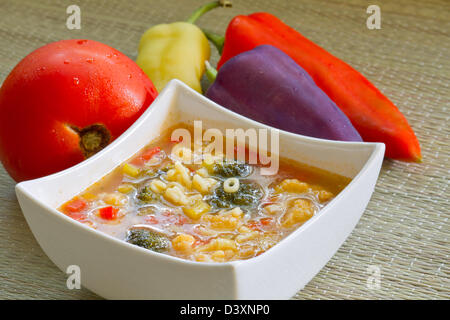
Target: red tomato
[(108, 213), (64, 102)]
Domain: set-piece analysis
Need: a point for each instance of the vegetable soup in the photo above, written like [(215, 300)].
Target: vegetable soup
[(215, 211)]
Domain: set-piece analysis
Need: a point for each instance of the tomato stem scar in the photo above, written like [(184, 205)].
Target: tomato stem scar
[(93, 138)]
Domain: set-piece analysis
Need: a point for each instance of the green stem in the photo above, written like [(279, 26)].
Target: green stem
[(217, 40), (211, 73), (208, 7)]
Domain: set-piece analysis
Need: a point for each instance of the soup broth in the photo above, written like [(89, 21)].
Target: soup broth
[(217, 210)]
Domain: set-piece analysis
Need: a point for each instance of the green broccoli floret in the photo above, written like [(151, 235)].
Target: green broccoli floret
[(229, 169), (248, 195), (147, 195), (147, 239)]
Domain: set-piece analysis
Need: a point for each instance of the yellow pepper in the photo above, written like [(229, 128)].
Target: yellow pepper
[(131, 170), (176, 51)]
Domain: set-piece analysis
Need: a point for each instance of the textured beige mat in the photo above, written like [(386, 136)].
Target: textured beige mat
[(405, 229)]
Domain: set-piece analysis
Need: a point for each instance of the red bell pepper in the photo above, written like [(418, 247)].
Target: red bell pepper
[(76, 205), (75, 209), (108, 213), (375, 117), (146, 156)]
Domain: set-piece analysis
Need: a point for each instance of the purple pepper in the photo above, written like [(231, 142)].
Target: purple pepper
[(266, 85)]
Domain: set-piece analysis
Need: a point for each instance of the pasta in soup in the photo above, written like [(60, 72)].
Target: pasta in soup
[(211, 211)]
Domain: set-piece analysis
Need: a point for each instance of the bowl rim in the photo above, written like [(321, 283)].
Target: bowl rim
[(171, 89)]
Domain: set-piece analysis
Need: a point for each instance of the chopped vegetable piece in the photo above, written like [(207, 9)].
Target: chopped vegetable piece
[(89, 196), (147, 195), (183, 243), (266, 221), (299, 211), (292, 185), (115, 199), (146, 156), (253, 225), (175, 219), (221, 222), (248, 195), (131, 170), (196, 209), (76, 205), (79, 216), (151, 220), (229, 169), (147, 239), (125, 188), (150, 153), (219, 244), (108, 213), (324, 196)]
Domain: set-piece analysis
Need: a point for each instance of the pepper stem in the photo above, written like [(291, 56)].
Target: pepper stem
[(208, 7), (211, 72), (217, 40)]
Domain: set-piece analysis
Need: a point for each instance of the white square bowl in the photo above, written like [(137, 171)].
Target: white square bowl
[(118, 270)]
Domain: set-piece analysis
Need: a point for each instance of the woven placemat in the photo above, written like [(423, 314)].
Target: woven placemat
[(404, 232)]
